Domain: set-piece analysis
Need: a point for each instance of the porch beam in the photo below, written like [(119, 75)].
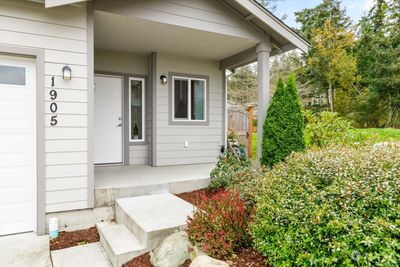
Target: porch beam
[(240, 59), (263, 51), (250, 56)]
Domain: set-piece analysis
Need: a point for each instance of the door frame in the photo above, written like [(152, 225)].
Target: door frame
[(38, 56), (125, 112), (102, 74)]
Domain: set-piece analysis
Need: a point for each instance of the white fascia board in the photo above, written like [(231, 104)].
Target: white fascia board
[(55, 3), (252, 7)]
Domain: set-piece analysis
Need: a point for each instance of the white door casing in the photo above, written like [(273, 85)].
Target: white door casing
[(18, 169), (108, 120)]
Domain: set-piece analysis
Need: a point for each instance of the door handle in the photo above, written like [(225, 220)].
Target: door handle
[(119, 125)]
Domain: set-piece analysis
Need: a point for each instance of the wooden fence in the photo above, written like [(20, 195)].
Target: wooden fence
[(240, 121)]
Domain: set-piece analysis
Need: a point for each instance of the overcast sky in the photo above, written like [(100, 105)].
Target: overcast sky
[(354, 8)]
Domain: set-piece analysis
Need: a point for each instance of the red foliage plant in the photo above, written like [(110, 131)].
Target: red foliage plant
[(219, 226)]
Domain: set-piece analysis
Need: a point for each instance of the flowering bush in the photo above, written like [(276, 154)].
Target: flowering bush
[(219, 225), (338, 206)]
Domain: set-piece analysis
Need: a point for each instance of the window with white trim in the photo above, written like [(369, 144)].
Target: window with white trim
[(136, 109), (188, 99)]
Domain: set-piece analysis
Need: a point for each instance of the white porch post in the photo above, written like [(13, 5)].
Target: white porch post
[(263, 53)]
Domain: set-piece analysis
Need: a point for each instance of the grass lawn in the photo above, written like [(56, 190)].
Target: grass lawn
[(383, 134), (378, 134)]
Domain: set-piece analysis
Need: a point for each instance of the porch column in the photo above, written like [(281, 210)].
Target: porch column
[(263, 53)]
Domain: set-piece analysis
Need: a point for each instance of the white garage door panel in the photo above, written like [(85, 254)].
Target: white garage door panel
[(12, 177), (17, 145)]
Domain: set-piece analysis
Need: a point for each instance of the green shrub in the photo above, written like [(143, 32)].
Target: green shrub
[(238, 174), (332, 207), (283, 130), (247, 182), (327, 128), (219, 225), (226, 169)]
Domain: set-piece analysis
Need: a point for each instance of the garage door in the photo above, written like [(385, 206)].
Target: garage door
[(17, 145)]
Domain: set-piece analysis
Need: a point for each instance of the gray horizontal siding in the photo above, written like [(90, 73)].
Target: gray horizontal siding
[(204, 140), (61, 33)]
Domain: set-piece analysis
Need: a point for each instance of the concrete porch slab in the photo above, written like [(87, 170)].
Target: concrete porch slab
[(25, 250), (112, 182), (90, 255)]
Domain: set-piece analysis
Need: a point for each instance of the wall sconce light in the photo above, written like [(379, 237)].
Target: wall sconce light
[(66, 73), (163, 79)]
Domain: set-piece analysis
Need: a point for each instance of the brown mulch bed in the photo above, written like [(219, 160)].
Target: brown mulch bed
[(74, 238), (192, 197), (144, 261), (248, 257), (245, 258)]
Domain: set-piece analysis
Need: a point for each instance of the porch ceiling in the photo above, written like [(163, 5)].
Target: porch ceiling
[(128, 34)]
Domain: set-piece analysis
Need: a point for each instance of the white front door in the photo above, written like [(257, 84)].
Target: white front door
[(108, 119), (17, 145)]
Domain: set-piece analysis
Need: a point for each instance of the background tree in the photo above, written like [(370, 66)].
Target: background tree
[(331, 66), (243, 86), (378, 53), (283, 130), (314, 18)]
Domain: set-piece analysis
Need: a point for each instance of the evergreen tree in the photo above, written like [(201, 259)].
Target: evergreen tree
[(378, 54), (314, 18), (283, 130)]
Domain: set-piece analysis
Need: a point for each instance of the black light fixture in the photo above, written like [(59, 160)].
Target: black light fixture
[(163, 79), (66, 70)]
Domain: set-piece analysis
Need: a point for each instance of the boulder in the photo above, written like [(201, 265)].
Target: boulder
[(206, 261), (172, 252), (195, 252)]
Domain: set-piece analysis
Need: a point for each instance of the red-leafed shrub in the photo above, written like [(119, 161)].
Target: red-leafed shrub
[(219, 225)]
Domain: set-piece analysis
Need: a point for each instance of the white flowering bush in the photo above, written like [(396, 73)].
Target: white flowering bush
[(331, 207)]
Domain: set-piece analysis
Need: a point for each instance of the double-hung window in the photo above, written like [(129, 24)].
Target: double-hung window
[(189, 99), (136, 109)]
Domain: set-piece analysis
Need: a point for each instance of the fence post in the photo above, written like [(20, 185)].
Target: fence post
[(250, 110)]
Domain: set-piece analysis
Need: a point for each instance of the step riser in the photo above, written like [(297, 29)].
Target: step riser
[(122, 218), (105, 197), (155, 238), (117, 260), (107, 249)]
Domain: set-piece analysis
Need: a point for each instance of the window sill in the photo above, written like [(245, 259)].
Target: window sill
[(189, 123)]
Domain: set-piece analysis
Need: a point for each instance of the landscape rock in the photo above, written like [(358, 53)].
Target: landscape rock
[(172, 252), (195, 252), (206, 261)]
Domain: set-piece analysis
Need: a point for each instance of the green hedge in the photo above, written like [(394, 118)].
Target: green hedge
[(332, 207)]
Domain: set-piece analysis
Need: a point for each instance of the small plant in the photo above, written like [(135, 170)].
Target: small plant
[(226, 169), (219, 225), (327, 128)]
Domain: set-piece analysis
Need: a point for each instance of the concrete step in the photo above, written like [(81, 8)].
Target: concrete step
[(154, 217), (119, 243)]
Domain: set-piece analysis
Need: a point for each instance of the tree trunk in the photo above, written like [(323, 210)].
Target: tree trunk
[(330, 96)]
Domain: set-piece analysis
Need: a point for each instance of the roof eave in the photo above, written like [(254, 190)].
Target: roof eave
[(262, 14)]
